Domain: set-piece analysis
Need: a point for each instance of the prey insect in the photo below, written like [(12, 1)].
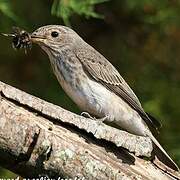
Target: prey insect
[(21, 38)]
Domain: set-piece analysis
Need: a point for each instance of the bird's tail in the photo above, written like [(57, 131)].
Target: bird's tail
[(162, 155)]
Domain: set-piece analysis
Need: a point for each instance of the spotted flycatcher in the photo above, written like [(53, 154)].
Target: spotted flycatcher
[(94, 84)]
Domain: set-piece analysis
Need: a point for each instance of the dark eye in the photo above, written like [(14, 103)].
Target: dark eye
[(54, 34)]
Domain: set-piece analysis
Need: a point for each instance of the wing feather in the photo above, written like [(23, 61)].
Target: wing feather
[(104, 72)]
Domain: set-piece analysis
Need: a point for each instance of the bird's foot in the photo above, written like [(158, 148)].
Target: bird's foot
[(103, 119), (87, 115)]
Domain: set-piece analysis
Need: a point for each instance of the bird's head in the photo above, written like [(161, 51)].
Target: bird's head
[(52, 38)]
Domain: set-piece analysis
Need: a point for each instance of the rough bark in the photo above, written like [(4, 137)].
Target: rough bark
[(38, 138)]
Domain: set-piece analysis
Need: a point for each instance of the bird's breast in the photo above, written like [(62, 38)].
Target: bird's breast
[(94, 98)]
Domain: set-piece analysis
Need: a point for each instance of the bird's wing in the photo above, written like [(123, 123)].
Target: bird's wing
[(104, 72)]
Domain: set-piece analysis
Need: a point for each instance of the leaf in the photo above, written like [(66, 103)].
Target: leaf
[(66, 8), (5, 8)]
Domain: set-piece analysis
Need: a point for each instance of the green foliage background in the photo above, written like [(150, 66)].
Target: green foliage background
[(141, 38)]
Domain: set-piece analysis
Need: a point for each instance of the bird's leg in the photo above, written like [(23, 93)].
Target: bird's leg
[(103, 119), (87, 115)]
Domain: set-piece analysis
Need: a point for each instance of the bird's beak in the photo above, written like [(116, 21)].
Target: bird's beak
[(37, 38)]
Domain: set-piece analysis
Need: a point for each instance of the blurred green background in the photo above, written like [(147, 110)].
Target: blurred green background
[(141, 38)]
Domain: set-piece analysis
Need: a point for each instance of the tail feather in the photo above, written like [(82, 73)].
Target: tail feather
[(162, 154)]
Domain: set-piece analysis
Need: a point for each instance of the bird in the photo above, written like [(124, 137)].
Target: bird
[(94, 84)]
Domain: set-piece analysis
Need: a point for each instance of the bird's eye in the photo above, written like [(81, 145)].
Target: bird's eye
[(54, 34)]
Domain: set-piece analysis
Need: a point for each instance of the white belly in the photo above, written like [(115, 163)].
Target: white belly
[(94, 98)]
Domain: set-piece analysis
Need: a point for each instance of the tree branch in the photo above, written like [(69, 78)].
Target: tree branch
[(38, 138)]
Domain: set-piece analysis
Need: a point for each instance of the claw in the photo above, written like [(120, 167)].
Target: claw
[(103, 119), (87, 115)]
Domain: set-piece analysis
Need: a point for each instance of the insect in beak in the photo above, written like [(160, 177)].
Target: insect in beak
[(8, 35), (21, 39)]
